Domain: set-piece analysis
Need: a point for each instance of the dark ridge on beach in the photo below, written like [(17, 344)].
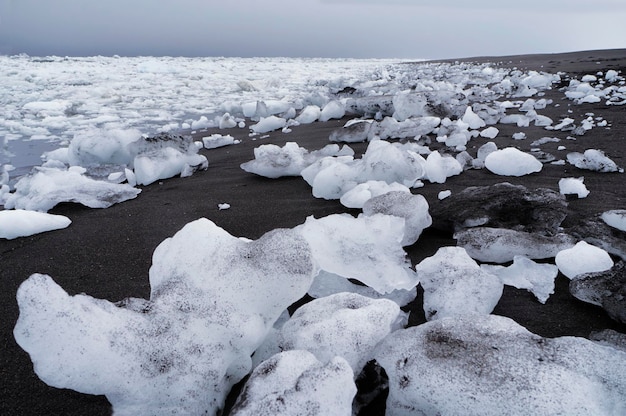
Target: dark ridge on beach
[(107, 253)]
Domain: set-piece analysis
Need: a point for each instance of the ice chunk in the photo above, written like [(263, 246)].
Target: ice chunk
[(165, 163), (413, 208), (45, 187), (273, 161), (408, 104), (352, 132), (593, 159), (490, 133), (455, 285), (473, 120), (487, 364), (583, 258), (267, 124), (365, 248), (326, 284), (606, 289), (309, 114), (615, 218), (213, 299), (102, 146), (482, 153), (217, 140), (357, 196), (296, 383), (344, 324), (416, 127), (227, 121), (501, 245), (526, 274), (332, 110), (512, 162), (21, 223), (439, 168), (574, 186)]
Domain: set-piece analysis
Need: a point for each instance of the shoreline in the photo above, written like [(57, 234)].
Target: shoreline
[(107, 253)]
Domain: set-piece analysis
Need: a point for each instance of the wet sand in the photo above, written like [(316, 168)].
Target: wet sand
[(107, 253)]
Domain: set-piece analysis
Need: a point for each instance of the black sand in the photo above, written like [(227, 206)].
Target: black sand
[(107, 253)]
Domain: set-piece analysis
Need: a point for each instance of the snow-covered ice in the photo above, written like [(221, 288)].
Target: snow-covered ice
[(583, 258), (21, 223)]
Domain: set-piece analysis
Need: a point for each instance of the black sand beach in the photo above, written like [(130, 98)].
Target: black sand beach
[(107, 253)]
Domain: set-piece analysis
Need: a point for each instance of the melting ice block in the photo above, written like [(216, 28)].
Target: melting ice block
[(583, 258), (365, 248), (606, 289), (332, 110), (487, 364), (344, 324), (454, 284), (45, 187), (22, 223), (267, 124), (575, 186), (615, 218), (501, 245), (360, 194), (593, 159), (213, 299), (296, 383), (512, 162)]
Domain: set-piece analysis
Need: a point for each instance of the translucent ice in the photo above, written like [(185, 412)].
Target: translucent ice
[(615, 218), (512, 162), (526, 274), (360, 194), (583, 258), (593, 159), (21, 223), (575, 186)]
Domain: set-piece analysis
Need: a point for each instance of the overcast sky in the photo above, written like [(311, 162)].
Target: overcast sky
[(309, 28)]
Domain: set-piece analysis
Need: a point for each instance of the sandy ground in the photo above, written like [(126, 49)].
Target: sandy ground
[(107, 253)]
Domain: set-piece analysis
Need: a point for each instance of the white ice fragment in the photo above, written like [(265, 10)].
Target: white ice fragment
[(472, 119), (519, 136), (227, 121), (482, 153), (574, 186), (357, 196), (165, 163), (444, 194), (615, 218), (489, 133), (367, 248), (273, 161), (454, 284), (438, 168), (409, 104), (512, 162), (526, 274), (217, 140), (296, 383), (309, 114), (583, 258), (593, 159), (332, 110), (267, 124), (22, 223), (223, 206)]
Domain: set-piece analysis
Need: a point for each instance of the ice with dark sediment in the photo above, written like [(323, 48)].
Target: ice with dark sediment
[(606, 289), (593, 159)]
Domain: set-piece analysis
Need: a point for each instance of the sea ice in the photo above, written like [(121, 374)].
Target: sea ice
[(593, 159), (490, 365), (45, 187), (512, 162), (526, 274), (21, 223), (575, 186), (213, 299), (367, 248), (615, 218), (501, 245), (347, 325), (582, 258), (455, 285), (296, 383), (413, 208)]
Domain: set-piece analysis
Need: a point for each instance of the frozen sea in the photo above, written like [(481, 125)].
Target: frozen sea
[(47, 101)]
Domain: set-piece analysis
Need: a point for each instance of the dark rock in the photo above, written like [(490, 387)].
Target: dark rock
[(606, 289), (502, 205)]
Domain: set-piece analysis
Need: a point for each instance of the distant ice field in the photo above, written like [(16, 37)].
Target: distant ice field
[(47, 101)]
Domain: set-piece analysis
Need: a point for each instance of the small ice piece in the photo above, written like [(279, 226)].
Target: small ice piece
[(166, 162), (296, 383), (309, 114), (561, 148), (413, 208), (519, 119), (439, 168), (576, 186), (365, 248), (501, 245), (267, 124), (473, 120), (454, 284), (344, 324), (273, 161), (409, 104), (482, 153), (444, 194), (46, 187), (332, 110), (583, 258), (615, 218), (526, 274), (217, 140), (519, 136), (490, 133), (360, 194), (489, 364), (545, 140), (223, 206), (22, 223), (512, 162), (227, 122), (593, 159), (326, 284), (354, 132)]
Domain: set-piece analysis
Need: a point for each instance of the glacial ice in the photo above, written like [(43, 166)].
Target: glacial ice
[(526, 274), (615, 218), (21, 223), (332, 110), (296, 383), (575, 186), (593, 159), (218, 140), (213, 299), (582, 258), (360, 194), (454, 284), (606, 289), (512, 162), (490, 365)]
